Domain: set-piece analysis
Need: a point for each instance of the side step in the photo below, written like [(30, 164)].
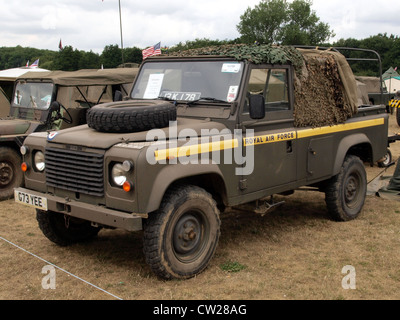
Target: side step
[(260, 206)]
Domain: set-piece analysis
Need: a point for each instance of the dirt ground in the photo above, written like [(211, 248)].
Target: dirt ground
[(295, 252)]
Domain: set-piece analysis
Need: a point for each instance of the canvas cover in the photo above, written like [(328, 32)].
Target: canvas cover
[(325, 86), (325, 89), (4, 104), (372, 83), (85, 77), (76, 88), (362, 93)]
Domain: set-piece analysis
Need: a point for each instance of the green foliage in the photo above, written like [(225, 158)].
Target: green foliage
[(283, 22), (111, 56), (198, 43), (232, 266), (67, 59), (263, 23), (388, 48), (255, 53)]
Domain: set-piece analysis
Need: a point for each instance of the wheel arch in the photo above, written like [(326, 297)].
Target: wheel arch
[(208, 177), (358, 145)]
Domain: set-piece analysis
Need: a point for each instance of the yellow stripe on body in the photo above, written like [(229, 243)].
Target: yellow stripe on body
[(339, 128), (208, 147), (189, 150)]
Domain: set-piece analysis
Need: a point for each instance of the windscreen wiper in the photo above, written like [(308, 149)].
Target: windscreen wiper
[(206, 99)]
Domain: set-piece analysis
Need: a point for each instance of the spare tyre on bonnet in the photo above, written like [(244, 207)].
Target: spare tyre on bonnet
[(131, 116)]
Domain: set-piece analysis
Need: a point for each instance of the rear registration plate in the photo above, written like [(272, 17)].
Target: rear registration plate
[(31, 200)]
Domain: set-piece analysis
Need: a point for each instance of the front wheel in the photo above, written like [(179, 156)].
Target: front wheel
[(345, 192), (182, 236), (11, 175)]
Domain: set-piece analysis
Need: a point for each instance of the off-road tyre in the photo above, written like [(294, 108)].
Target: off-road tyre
[(11, 175), (64, 230), (345, 193), (181, 237), (130, 116)]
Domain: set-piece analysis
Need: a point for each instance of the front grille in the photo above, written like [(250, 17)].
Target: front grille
[(76, 171)]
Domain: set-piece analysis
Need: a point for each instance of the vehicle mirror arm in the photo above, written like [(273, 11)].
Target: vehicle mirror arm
[(233, 108)]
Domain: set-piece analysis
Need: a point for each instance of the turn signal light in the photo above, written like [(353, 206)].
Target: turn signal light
[(24, 166), (127, 186)]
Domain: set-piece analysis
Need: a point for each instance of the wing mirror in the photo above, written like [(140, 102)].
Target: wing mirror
[(55, 106), (117, 96), (256, 106)]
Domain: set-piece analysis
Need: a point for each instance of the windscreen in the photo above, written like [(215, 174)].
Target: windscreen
[(189, 80), (35, 95)]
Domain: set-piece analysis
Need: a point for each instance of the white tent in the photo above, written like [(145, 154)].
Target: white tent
[(14, 73), (393, 84)]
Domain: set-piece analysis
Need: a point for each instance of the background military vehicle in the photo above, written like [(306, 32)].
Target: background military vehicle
[(7, 82), (52, 100), (204, 131)]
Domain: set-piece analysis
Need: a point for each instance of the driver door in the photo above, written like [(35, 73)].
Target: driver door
[(271, 141)]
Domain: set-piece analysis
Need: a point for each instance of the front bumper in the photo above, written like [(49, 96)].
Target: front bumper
[(85, 211)]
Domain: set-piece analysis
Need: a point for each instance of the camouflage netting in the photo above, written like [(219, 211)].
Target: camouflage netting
[(325, 87)]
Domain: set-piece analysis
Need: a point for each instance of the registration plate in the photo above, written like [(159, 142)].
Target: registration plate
[(31, 200)]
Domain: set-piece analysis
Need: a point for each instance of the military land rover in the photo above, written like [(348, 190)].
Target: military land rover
[(202, 132), (48, 101)]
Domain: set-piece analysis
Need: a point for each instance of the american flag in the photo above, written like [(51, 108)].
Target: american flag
[(35, 64), (152, 51)]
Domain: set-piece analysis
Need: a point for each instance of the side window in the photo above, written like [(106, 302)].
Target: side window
[(272, 84)]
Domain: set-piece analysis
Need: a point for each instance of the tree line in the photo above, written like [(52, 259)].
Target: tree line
[(271, 21), (68, 58)]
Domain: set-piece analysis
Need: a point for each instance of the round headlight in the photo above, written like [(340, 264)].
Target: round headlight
[(38, 161), (118, 174)]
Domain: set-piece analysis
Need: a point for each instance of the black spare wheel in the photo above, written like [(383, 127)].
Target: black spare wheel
[(131, 116)]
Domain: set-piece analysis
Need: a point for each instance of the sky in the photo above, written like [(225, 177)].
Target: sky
[(90, 25)]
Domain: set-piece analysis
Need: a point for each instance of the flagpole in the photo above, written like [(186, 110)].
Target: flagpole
[(120, 26)]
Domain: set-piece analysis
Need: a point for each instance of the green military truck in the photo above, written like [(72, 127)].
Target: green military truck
[(204, 131), (52, 100)]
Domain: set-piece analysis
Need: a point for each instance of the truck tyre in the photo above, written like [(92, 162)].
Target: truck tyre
[(397, 116), (64, 230), (345, 192), (11, 175), (182, 236), (131, 116)]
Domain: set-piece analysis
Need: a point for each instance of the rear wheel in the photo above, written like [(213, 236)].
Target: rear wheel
[(345, 192), (181, 238)]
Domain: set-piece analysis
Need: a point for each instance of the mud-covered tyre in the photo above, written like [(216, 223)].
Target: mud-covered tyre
[(130, 116), (64, 230), (345, 193), (181, 237), (11, 175)]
